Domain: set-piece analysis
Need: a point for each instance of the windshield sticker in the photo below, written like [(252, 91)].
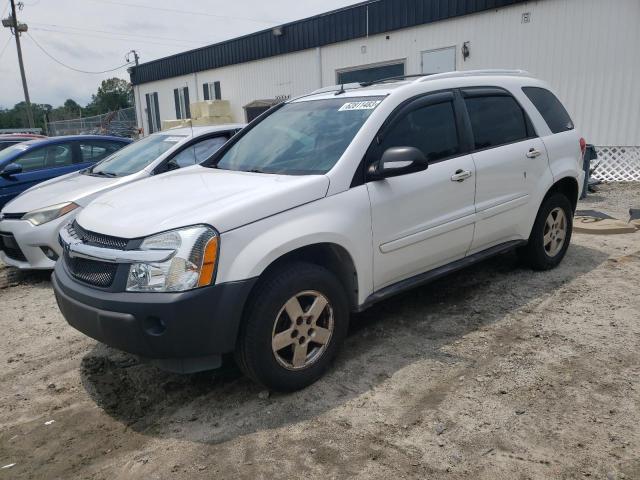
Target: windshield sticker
[(172, 139), (366, 105)]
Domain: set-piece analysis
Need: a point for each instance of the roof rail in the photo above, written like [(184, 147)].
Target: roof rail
[(336, 88), (474, 73)]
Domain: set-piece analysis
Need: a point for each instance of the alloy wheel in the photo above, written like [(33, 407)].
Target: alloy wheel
[(302, 330), (555, 232)]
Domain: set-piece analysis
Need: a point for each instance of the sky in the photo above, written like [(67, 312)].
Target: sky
[(95, 35)]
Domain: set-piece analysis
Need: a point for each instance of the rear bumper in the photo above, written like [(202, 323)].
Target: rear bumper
[(186, 331)]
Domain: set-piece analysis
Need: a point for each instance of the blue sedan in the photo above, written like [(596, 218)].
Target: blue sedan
[(26, 164)]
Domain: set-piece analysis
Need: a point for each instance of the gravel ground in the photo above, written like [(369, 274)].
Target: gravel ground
[(496, 372)]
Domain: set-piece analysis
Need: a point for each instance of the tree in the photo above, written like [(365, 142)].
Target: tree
[(113, 94)]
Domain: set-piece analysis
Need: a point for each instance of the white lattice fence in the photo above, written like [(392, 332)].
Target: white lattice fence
[(618, 164)]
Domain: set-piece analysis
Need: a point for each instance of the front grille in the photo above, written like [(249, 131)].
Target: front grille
[(93, 272), (99, 274), (97, 239), (10, 247), (13, 216)]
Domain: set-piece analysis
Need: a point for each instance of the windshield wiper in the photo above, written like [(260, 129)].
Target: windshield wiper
[(103, 174)]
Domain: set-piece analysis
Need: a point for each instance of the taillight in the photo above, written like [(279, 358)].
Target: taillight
[(583, 146)]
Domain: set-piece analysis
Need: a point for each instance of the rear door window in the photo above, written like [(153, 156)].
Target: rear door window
[(550, 108), (93, 151), (496, 120)]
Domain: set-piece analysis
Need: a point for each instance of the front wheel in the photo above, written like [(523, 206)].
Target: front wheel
[(551, 234), (296, 320)]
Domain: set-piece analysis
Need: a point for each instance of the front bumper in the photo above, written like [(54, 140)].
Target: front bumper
[(31, 239), (186, 332)]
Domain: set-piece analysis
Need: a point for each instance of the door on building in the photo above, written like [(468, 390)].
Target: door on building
[(425, 219), (370, 73), (256, 108), (441, 60)]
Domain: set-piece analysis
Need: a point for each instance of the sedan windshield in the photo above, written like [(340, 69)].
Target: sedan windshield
[(10, 151), (136, 156), (300, 138)]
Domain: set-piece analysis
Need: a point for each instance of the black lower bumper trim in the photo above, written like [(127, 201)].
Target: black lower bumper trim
[(199, 324)]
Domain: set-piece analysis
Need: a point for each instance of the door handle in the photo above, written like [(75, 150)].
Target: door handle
[(461, 176), (533, 153)]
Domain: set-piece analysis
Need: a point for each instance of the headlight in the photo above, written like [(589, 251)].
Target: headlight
[(193, 264), (44, 215)]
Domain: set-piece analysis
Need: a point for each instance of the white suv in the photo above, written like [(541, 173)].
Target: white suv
[(325, 205)]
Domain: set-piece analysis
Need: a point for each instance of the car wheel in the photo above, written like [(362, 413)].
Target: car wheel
[(295, 322), (551, 234)]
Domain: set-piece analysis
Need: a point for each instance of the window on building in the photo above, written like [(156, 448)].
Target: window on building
[(432, 129), (370, 73), (442, 60), (496, 120), (212, 91), (153, 112), (181, 97), (550, 108)]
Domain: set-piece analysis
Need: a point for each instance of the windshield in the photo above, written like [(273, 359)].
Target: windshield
[(135, 156), (303, 138), (11, 150)]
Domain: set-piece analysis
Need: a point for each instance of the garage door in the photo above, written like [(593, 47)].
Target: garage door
[(441, 60), (370, 74)]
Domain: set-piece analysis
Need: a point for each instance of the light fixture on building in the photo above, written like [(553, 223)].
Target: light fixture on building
[(466, 51), (277, 31), (363, 49)]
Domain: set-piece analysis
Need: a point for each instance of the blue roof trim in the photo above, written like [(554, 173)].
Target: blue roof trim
[(336, 26)]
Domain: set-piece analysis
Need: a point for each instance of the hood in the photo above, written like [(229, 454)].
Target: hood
[(73, 187), (197, 195)]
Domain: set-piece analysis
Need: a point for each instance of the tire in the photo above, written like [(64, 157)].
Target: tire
[(308, 343), (543, 250)]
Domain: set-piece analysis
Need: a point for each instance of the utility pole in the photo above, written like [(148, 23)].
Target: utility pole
[(18, 28), (136, 57)]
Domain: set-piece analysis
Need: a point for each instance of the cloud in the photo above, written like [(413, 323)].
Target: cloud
[(80, 40)]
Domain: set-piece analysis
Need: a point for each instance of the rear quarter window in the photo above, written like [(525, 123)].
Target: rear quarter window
[(550, 108)]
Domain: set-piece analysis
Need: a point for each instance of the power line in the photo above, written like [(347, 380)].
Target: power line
[(187, 12), (5, 47), (128, 40), (72, 68), (112, 32)]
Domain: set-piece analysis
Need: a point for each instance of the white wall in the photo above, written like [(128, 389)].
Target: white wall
[(587, 49)]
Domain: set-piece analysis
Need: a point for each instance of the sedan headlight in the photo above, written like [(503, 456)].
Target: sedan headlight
[(44, 215), (191, 266)]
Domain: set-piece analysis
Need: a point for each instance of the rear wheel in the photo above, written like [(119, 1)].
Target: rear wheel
[(551, 234), (293, 328)]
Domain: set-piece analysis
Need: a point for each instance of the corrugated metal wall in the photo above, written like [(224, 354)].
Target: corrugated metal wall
[(587, 50), (337, 26)]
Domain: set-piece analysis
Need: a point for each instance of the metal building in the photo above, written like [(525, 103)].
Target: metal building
[(586, 49)]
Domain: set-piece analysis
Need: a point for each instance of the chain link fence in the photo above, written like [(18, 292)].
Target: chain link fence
[(121, 123)]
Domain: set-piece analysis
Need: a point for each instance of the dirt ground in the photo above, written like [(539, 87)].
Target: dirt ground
[(496, 372)]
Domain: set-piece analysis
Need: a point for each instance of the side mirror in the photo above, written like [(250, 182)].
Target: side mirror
[(11, 169), (397, 161)]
